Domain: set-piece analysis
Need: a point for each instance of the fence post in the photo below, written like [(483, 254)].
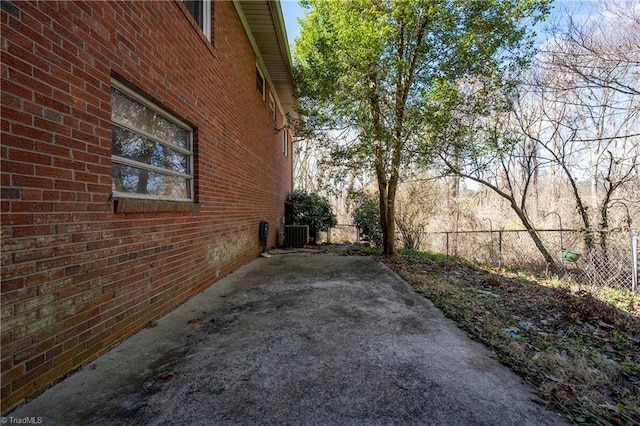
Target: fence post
[(634, 254), (447, 233), (499, 249)]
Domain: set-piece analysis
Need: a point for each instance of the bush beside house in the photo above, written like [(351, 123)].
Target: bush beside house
[(308, 208)]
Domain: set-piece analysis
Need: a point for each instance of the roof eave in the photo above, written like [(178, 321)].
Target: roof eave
[(264, 24)]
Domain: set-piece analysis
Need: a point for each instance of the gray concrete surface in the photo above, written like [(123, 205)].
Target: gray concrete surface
[(298, 338)]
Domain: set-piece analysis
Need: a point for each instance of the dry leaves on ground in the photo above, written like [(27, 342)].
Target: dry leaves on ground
[(582, 354)]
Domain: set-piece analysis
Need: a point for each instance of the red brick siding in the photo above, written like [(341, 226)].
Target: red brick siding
[(77, 277)]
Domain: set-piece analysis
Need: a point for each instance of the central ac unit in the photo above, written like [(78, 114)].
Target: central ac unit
[(296, 235)]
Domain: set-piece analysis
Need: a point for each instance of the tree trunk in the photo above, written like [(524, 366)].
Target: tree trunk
[(581, 207), (386, 188), (389, 236), (551, 263), (387, 215), (522, 215)]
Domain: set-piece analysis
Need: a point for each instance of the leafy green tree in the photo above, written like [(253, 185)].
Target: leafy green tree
[(311, 209), (366, 217), (372, 66)]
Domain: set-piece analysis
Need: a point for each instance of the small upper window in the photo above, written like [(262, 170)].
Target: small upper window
[(285, 143), (201, 12), (272, 106), (260, 83), (151, 151)]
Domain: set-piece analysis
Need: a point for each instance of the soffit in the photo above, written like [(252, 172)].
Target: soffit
[(264, 24)]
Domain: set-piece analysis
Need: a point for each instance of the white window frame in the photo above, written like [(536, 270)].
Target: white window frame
[(272, 105), (205, 26), (285, 143), (132, 163)]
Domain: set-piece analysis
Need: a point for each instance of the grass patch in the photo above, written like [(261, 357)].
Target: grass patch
[(579, 349), (362, 251), (428, 256)]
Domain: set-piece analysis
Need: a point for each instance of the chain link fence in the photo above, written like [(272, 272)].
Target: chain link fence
[(612, 262)]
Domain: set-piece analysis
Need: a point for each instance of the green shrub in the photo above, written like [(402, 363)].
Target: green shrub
[(308, 208), (366, 217)]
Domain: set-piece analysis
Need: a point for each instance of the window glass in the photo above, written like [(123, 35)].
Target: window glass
[(151, 154), (272, 106), (201, 12), (195, 9), (260, 82), (127, 144), (132, 113), (133, 180)]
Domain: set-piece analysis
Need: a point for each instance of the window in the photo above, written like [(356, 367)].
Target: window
[(201, 12), (260, 83), (285, 143), (151, 151), (272, 106)]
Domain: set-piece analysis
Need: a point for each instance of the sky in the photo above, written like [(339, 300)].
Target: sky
[(291, 11)]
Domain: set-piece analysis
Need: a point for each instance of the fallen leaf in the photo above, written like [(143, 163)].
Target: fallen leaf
[(167, 374)]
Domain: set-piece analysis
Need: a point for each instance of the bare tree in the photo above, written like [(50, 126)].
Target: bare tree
[(417, 202), (491, 152), (588, 93), (601, 51)]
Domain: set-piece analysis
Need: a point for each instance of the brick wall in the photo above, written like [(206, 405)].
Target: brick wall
[(77, 276)]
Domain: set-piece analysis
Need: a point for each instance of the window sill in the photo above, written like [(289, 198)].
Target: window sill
[(133, 205)]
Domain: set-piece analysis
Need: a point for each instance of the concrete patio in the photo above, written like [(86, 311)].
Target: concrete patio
[(298, 338)]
